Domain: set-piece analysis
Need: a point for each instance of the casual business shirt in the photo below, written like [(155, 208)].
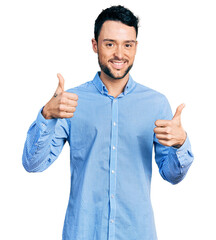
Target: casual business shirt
[(111, 142)]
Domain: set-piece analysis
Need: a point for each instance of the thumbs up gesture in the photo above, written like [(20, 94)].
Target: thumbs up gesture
[(62, 104), (170, 132)]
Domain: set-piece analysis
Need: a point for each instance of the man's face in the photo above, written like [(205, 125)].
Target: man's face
[(116, 48)]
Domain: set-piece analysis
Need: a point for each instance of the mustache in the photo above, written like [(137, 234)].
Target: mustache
[(118, 59)]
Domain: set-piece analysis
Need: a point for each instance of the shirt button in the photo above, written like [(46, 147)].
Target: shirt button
[(112, 196), (182, 166), (112, 221), (114, 123), (113, 147), (43, 125), (113, 171)]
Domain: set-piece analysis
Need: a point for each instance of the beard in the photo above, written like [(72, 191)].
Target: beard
[(108, 72)]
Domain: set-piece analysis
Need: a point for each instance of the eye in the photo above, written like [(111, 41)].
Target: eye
[(109, 45), (128, 45)]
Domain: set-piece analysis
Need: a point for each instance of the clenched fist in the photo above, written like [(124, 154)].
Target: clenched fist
[(62, 104), (170, 132)]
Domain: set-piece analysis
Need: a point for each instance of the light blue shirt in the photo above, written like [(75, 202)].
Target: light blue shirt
[(111, 142)]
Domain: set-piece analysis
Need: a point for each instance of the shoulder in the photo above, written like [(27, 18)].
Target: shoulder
[(84, 87), (157, 101), (149, 92)]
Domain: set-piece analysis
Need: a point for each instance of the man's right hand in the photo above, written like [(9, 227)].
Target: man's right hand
[(62, 104)]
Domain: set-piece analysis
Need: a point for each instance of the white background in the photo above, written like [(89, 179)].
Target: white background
[(176, 56)]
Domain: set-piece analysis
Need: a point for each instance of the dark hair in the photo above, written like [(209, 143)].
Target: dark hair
[(115, 13)]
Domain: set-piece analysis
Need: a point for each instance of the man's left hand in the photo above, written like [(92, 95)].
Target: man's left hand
[(170, 132)]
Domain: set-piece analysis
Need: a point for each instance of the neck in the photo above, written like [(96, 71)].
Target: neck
[(114, 86)]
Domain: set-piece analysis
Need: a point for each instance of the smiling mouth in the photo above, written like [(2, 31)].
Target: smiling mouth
[(118, 64)]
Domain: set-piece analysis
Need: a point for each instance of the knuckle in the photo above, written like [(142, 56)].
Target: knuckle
[(73, 109), (168, 130), (61, 115), (61, 107), (62, 100), (166, 143), (156, 129), (76, 96), (70, 115), (169, 123), (74, 103), (162, 142), (64, 94), (169, 137)]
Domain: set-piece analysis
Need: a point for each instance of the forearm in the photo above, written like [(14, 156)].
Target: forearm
[(175, 165), (42, 145)]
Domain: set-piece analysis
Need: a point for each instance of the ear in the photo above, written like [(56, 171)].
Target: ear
[(94, 45)]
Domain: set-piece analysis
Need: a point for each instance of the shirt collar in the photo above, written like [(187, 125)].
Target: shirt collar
[(102, 88)]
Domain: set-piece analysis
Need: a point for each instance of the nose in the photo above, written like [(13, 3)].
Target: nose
[(119, 52)]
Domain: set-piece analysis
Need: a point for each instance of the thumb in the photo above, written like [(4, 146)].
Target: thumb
[(179, 111), (60, 87)]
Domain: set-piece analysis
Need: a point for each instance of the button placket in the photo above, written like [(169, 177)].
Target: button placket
[(113, 164)]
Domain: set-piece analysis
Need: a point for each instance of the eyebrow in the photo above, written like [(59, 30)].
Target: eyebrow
[(111, 40)]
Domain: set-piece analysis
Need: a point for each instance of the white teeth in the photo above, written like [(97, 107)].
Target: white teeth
[(118, 63)]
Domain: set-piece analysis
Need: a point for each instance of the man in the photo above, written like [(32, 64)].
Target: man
[(111, 135)]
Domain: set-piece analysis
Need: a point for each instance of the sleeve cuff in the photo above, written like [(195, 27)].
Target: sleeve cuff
[(182, 153), (184, 146), (45, 124)]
